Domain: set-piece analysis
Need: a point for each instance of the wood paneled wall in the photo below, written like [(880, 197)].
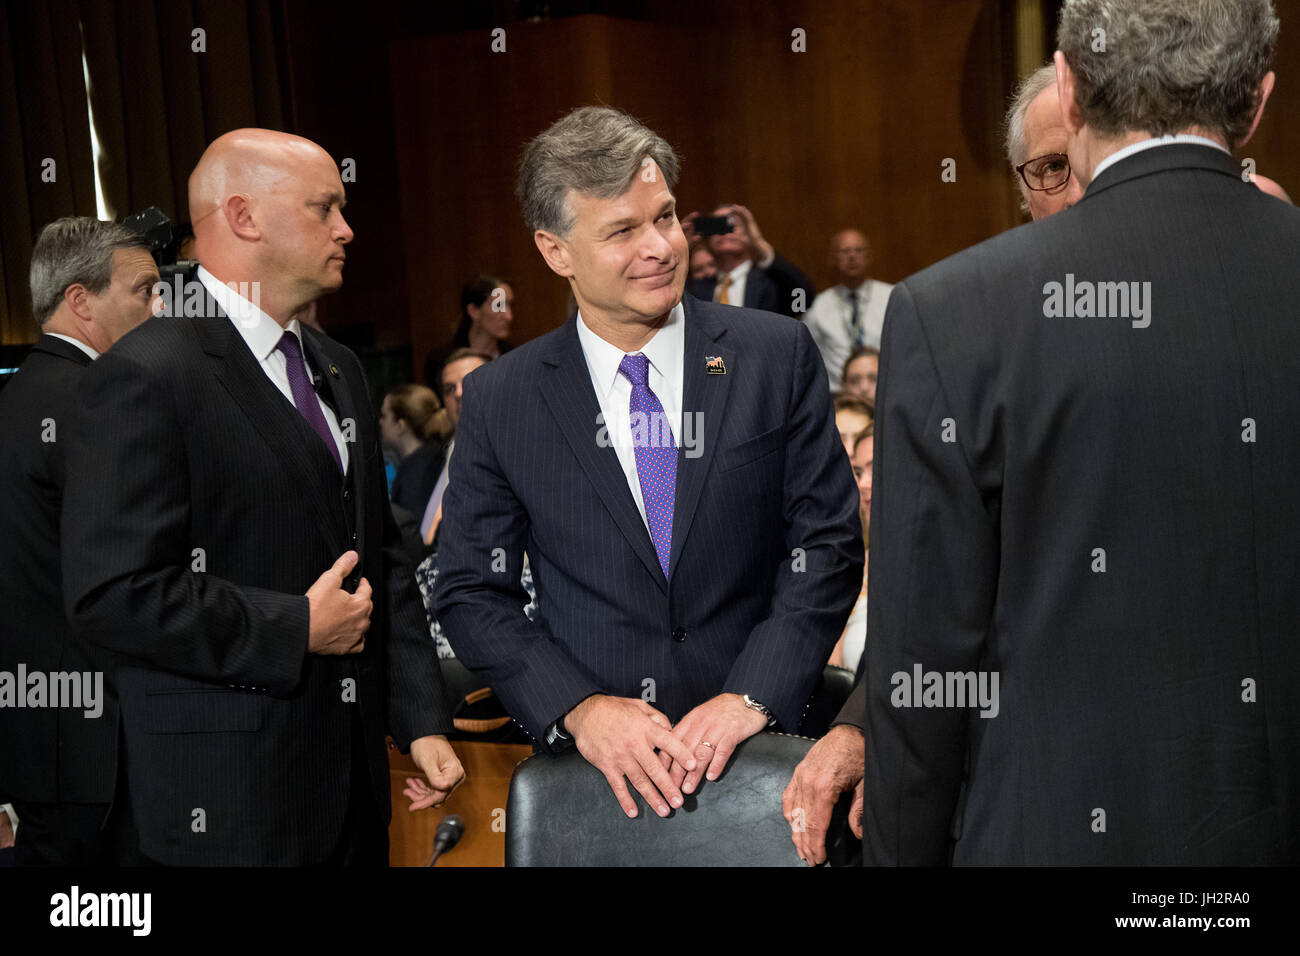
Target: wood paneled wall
[(852, 131)]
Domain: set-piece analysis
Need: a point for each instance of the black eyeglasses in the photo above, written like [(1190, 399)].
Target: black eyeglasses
[(1045, 173)]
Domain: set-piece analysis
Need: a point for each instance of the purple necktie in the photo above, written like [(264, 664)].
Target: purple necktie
[(304, 396), (656, 455)]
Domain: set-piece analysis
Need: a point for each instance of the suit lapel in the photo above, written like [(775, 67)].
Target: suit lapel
[(571, 400), (281, 426), (704, 401)]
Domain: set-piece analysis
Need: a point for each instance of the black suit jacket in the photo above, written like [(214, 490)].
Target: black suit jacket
[(1148, 713), (200, 508), (47, 755), (771, 289), (766, 557), (416, 476)]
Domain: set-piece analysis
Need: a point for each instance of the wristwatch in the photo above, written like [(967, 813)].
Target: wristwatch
[(761, 708), (557, 739)]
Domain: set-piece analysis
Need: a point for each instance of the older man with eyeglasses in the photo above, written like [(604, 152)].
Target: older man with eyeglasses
[(1036, 147)]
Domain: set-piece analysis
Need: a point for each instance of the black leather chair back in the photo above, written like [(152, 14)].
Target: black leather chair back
[(833, 689), (561, 812)]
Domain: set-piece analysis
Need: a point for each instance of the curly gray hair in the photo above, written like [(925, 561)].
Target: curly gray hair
[(1167, 65)]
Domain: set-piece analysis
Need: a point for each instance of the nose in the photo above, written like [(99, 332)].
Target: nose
[(655, 245), (343, 231)]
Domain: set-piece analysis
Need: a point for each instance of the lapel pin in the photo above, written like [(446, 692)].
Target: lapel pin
[(334, 370), (714, 365)]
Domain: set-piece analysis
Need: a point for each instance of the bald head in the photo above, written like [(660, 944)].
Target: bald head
[(248, 161), (267, 207), (1272, 187)]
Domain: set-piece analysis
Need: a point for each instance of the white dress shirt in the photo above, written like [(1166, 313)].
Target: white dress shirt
[(77, 342), (829, 320), (1170, 140), (736, 288), (614, 391), (261, 334)]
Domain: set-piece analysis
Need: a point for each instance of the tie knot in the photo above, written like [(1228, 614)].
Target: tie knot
[(288, 344), (636, 369)]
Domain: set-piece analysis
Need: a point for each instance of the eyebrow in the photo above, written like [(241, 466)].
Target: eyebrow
[(632, 220), (332, 197)]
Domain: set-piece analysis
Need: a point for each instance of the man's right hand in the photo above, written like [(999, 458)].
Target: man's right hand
[(338, 620), (833, 765), (619, 737)]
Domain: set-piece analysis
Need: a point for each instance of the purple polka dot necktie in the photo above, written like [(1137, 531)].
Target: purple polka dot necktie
[(304, 396), (656, 455)]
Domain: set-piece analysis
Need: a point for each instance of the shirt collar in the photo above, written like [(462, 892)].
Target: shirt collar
[(741, 271), (260, 332), (77, 342), (664, 350), (1170, 140)]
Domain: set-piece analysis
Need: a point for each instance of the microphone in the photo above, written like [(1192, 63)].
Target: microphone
[(448, 834)]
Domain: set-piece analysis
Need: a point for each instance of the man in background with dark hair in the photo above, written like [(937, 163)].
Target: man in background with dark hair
[(91, 283)]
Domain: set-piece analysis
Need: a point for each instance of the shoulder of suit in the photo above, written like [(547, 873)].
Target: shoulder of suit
[(745, 325)]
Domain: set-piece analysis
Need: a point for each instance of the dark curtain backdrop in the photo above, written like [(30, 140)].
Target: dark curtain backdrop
[(42, 116), (158, 102)]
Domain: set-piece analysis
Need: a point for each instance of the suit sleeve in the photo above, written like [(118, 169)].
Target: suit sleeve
[(419, 704), (854, 711), (787, 277), (479, 599), (129, 582), (820, 577), (934, 572)]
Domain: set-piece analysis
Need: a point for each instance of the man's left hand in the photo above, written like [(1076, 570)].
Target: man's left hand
[(439, 763), (711, 731)]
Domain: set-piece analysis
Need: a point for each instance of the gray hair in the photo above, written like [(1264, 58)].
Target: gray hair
[(73, 250), (1028, 91), (595, 151), (1168, 65)]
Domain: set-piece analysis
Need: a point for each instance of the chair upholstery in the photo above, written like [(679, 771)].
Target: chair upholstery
[(832, 690), (561, 812)]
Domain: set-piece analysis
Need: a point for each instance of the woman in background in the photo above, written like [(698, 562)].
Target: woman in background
[(409, 423), (486, 314)]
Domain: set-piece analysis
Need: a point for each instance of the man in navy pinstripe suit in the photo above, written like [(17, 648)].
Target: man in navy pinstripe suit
[(672, 469)]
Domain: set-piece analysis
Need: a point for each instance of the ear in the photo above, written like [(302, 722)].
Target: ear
[(239, 217), (554, 251), (1265, 88), (77, 298), (1066, 84)]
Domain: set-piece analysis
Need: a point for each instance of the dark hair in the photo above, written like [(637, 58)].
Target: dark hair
[(863, 435), (857, 353), (851, 403), (465, 353), (475, 292)]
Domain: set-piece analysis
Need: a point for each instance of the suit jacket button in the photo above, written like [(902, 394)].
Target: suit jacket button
[(679, 634), (347, 494)]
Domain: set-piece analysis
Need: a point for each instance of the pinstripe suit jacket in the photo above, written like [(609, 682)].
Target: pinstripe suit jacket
[(766, 555), (200, 507)]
